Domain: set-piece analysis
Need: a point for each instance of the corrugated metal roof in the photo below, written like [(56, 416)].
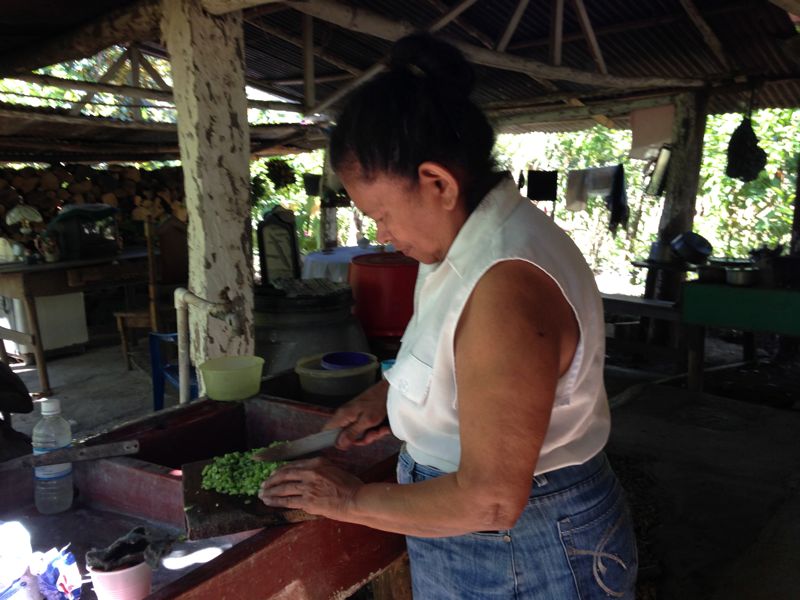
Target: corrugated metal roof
[(653, 38)]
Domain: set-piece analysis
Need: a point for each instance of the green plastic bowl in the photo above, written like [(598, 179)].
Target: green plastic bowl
[(232, 377)]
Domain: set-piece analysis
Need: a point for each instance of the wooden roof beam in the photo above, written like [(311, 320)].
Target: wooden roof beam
[(370, 23), (569, 113), (591, 38), (556, 41), (633, 25), (380, 22), (708, 35), (221, 7), (513, 23), (134, 92), (309, 85), (451, 15), (464, 25), (110, 73), (298, 42), (318, 79), (137, 22)]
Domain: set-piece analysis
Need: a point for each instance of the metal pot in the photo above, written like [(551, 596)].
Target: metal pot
[(691, 247), (711, 274), (741, 276)]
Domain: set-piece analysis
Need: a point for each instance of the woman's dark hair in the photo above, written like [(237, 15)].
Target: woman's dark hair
[(417, 111)]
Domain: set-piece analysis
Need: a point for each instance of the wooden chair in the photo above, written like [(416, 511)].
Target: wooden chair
[(166, 270), (146, 318)]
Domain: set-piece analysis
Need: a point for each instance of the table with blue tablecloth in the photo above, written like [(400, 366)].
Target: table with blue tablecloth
[(334, 264)]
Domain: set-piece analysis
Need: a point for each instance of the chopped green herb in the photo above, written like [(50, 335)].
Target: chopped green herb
[(237, 473)]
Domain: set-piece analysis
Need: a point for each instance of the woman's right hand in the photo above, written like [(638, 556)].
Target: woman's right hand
[(363, 419)]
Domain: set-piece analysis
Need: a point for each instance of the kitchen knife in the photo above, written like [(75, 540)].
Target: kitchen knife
[(75, 454), (299, 447)]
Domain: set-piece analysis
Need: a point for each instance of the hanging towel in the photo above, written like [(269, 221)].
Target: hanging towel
[(608, 182), (542, 185), (584, 182), (617, 201)]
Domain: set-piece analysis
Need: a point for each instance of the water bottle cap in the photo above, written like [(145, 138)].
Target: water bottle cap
[(51, 406)]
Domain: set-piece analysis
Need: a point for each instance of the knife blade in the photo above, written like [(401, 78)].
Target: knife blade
[(299, 447)]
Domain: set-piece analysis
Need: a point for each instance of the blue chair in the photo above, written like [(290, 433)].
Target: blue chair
[(163, 371)]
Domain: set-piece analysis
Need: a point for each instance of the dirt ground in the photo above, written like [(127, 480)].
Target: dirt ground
[(712, 478)]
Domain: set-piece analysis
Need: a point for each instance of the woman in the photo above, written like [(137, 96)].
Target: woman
[(497, 391)]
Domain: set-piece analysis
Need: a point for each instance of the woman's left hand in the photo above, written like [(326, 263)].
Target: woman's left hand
[(314, 485)]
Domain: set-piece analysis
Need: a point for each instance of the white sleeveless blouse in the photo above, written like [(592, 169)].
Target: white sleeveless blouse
[(423, 397)]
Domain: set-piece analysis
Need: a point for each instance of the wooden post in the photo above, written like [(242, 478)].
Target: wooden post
[(794, 248), (683, 179), (789, 348), (309, 93), (207, 60)]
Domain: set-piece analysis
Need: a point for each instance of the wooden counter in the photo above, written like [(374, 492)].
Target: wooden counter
[(748, 309), (316, 559), (26, 282)]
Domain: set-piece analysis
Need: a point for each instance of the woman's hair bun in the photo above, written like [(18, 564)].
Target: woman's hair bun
[(441, 64)]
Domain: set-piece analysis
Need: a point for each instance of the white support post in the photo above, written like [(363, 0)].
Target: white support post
[(207, 60)]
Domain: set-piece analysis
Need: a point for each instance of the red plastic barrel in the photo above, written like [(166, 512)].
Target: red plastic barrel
[(383, 289)]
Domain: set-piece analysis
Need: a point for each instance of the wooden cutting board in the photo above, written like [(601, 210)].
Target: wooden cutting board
[(209, 513)]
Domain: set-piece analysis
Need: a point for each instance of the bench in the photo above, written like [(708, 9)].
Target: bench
[(622, 304)]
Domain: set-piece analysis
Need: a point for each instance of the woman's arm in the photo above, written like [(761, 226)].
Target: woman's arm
[(516, 336), (362, 418)]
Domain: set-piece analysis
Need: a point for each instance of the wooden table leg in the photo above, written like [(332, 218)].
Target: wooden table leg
[(123, 336), (38, 351), (696, 338)]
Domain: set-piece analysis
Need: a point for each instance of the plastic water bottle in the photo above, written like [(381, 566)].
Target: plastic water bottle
[(53, 492)]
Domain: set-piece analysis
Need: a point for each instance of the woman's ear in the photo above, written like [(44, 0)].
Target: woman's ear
[(439, 184)]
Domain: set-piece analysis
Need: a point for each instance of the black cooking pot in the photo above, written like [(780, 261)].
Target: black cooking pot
[(691, 247)]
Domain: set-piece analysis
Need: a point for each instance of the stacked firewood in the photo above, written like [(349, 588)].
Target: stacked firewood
[(137, 193)]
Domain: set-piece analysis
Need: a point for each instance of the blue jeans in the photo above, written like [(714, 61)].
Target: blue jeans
[(574, 541)]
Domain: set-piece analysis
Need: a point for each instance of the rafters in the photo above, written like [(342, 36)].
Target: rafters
[(513, 23), (296, 41), (708, 35), (381, 64), (463, 24), (133, 92), (358, 19), (556, 31), (633, 25), (591, 38)]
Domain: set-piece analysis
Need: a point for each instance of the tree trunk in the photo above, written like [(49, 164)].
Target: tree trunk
[(207, 60)]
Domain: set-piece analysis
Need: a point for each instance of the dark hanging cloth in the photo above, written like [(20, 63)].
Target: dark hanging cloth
[(745, 159), (542, 185), (617, 201)]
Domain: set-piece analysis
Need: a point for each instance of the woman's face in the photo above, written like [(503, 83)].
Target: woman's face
[(421, 220)]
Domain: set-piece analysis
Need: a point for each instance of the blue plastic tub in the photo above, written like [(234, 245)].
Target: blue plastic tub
[(337, 361)]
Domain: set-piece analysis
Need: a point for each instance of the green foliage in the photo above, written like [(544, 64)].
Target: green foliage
[(737, 216), (733, 215), (594, 147), (292, 196)]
